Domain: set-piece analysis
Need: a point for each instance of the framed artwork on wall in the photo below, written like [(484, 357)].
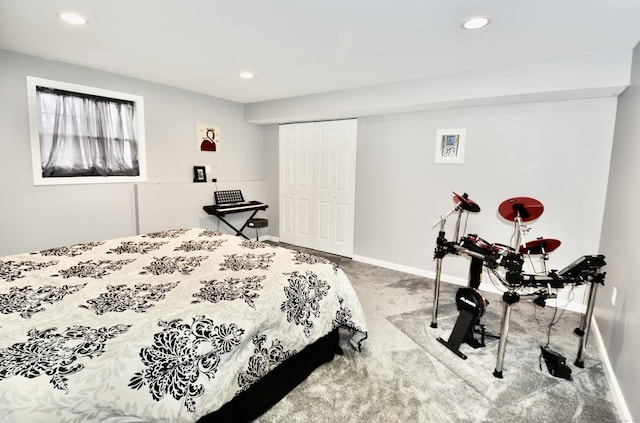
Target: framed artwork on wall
[(207, 137), (450, 145), (199, 174)]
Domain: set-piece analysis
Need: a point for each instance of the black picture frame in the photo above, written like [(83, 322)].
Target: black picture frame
[(199, 174)]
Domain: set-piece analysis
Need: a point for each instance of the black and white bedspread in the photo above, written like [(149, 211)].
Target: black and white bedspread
[(166, 326)]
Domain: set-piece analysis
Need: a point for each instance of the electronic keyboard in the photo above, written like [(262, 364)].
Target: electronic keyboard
[(237, 207)]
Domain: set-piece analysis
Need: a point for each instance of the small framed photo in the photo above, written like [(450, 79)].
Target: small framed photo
[(450, 144), (199, 174)]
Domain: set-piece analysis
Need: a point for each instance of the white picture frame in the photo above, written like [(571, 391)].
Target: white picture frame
[(450, 145)]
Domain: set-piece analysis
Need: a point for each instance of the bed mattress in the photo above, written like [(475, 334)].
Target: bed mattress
[(166, 326)]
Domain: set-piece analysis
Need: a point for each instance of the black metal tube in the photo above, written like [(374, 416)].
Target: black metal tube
[(475, 272)]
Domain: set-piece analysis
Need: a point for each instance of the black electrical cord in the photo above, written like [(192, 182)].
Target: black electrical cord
[(553, 322)]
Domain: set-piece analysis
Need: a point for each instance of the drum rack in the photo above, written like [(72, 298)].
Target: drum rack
[(586, 269)]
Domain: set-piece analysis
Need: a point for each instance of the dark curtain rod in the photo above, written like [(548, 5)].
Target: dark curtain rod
[(82, 95)]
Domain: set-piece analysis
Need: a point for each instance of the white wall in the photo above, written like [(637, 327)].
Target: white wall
[(272, 174), (33, 217), (185, 210), (556, 152), (542, 130), (600, 75), (619, 324)]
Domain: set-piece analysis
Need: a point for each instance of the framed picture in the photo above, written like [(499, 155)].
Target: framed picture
[(208, 137), (199, 174), (450, 144)]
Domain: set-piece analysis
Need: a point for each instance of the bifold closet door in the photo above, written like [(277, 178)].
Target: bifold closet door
[(317, 185)]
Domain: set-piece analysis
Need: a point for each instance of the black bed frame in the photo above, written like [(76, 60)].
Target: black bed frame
[(262, 395)]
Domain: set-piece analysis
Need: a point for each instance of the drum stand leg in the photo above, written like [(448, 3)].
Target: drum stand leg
[(436, 294), (585, 325), (509, 299), (440, 252)]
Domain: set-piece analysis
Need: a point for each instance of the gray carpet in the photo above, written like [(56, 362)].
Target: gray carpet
[(404, 375)]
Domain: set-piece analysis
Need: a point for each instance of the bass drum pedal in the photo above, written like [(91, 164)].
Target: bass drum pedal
[(472, 306), (556, 363)]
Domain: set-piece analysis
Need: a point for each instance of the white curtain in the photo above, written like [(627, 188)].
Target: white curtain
[(84, 135)]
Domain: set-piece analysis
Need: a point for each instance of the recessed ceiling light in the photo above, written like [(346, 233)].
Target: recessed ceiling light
[(72, 18), (246, 75), (476, 22)]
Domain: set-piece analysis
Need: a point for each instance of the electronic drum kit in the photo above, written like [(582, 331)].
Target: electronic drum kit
[(506, 263)]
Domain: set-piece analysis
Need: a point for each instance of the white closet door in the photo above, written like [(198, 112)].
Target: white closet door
[(317, 185), (297, 146)]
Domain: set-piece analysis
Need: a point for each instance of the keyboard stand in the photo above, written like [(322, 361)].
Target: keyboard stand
[(238, 231)]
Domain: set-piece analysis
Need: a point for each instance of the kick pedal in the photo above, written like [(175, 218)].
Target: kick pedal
[(471, 305), (556, 363)]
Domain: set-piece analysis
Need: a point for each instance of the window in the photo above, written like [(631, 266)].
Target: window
[(84, 135)]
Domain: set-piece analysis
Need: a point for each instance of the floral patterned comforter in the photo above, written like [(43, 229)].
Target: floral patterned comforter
[(166, 326)]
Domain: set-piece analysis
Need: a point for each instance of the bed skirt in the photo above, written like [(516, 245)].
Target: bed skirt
[(250, 404)]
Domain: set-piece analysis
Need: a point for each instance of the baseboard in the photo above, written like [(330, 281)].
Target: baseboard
[(618, 398), (578, 308), (408, 269)]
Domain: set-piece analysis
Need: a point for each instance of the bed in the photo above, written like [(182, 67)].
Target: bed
[(184, 325)]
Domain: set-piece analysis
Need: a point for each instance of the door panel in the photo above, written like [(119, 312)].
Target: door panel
[(342, 223), (317, 185), (324, 221), (302, 215), (286, 211)]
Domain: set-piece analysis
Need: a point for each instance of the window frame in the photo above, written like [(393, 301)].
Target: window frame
[(35, 126)]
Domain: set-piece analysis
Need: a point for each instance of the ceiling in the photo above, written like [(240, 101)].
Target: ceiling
[(300, 47)]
